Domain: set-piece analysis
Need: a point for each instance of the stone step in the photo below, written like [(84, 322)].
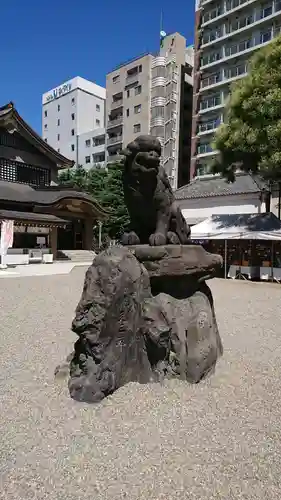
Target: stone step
[(76, 255)]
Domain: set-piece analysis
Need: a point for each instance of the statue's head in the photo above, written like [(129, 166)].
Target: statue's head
[(143, 154)]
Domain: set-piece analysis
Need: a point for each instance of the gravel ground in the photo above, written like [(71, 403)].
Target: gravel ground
[(217, 440)]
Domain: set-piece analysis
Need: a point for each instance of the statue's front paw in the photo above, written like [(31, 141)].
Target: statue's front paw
[(130, 238), (157, 239), (173, 238)]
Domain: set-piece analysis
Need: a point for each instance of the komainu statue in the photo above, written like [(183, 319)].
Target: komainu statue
[(154, 215)]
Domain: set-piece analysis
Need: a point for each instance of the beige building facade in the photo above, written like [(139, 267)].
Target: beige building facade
[(153, 94)]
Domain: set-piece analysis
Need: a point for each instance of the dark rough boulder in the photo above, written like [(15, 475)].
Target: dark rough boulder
[(178, 261), (111, 349), (195, 342), (129, 333)]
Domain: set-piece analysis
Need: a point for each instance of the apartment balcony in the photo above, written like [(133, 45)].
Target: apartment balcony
[(158, 121), (158, 61), (159, 81), (206, 153), (112, 141), (212, 80), (113, 158), (209, 127), (115, 122), (158, 101), (211, 104), (134, 78), (173, 96), (244, 24), (242, 48), (219, 13), (117, 104), (230, 75)]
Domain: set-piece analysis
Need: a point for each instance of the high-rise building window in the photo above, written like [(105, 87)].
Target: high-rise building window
[(128, 93), (58, 137), (98, 141), (72, 131), (128, 112), (88, 143), (138, 90), (73, 100), (97, 107), (116, 79), (58, 107), (140, 68), (72, 147), (45, 126), (137, 109), (45, 114), (58, 122), (98, 157), (72, 116), (137, 128), (87, 159), (98, 123)]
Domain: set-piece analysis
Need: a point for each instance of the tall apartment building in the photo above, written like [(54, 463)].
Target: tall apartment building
[(73, 121), (153, 94), (227, 32)]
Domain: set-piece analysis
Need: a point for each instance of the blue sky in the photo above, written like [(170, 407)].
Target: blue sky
[(46, 43)]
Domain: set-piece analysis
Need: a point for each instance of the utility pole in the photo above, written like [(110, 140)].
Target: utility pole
[(279, 200)]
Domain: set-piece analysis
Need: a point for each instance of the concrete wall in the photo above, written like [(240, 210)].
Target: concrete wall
[(87, 148), (117, 83), (90, 112), (236, 204)]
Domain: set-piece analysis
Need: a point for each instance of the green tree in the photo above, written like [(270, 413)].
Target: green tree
[(250, 138), (74, 177), (105, 186)]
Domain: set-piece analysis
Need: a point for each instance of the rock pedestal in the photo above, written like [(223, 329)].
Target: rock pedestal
[(145, 313)]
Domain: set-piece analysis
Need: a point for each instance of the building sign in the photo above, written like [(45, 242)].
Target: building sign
[(59, 91)]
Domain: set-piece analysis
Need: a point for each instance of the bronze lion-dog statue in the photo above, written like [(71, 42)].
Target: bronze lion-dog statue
[(155, 217)]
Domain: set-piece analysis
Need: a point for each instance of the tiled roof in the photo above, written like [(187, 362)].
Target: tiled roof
[(33, 217), (23, 193), (216, 186)]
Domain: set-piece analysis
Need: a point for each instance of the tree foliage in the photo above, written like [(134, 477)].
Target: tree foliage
[(250, 138), (105, 186)]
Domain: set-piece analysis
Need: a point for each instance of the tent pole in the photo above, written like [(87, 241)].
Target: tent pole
[(272, 250), (225, 259)]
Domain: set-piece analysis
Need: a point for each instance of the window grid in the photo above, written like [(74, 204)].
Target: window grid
[(15, 171)]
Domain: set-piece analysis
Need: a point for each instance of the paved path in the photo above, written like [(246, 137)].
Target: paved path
[(41, 269), (218, 440)]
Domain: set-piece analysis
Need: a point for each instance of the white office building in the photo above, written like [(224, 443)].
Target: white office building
[(73, 121)]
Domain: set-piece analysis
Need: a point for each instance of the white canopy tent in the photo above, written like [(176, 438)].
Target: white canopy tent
[(265, 226)]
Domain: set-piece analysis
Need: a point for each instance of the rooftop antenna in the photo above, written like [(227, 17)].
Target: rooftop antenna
[(162, 32)]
